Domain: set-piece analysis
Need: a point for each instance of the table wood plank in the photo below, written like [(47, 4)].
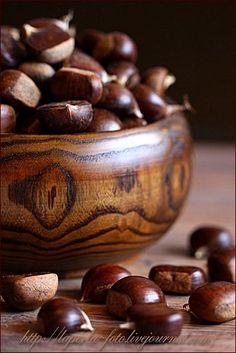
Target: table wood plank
[(211, 201)]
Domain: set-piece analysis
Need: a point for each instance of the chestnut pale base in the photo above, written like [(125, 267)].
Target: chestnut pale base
[(72, 201)]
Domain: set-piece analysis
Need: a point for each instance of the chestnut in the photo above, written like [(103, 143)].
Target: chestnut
[(18, 90), (177, 279), (70, 83), (7, 118), (83, 61), (155, 107), (88, 38), (104, 120), (28, 291), (44, 22), (12, 50), (119, 100), (40, 73), (50, 45), (29, 125), (214, 302), (132, 121), (206, 239), (132, 290), (158, 79), (115, 46), (65, 117), (221, 265), (126, 72), (62, 314), (154, 319), (99, 279)]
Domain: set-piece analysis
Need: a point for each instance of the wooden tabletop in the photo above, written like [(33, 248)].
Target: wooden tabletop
[(211, 201)]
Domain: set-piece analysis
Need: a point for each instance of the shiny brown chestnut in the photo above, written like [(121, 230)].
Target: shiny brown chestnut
[(50, 45), (12, 50), (214, 302), (153, 106), (104, 120), (206, 239), (7, 119), (132, 121), (44, 22), (132, 290), (83, 61), (221, 265), (70, 83), (28, 291), (65, 117), (88, 38), (40, 73), (115, 46), (126, 72), (177, 279), (99, 279), (62, 315), (154, 319), (158, 79), (18, 90), (119, 100)]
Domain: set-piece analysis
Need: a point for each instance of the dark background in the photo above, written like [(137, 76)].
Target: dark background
[(194, 39)]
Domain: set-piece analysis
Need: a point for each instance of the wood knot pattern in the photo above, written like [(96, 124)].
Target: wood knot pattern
[(72, 201)]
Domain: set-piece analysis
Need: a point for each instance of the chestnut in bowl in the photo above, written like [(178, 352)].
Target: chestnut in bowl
[(70, 202)]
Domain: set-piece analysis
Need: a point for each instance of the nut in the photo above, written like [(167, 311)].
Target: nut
[(214, 302), (221, 265), (28, 291), (62, 23), (154, 320), (12, 50), (50, 45), (104, 120), (99, 279), (62, 315), (132, 290), (88, 38), (158, 79), (132, 121), (206, 239), (70, 83), (8, 118), (119, 100), (40, 73), (177, 279), (126, 72), (18, 90), (65, 117)]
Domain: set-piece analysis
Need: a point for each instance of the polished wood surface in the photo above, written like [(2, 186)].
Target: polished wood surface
[(211, 201), (72, 201)]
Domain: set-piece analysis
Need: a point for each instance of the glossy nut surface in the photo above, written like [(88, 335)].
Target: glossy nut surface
[(7, 118), (158, 79), (104, 120), (40, 73), (214, 302), (126, 73), (221, 265), (83, 61), (12, 50), (154, 320), (44, 22), (99, 279), (70, 83), (178, 279), (65, 117), (62, 314), (18, 90), (29, 291), (50, 45), (132, 290), (115, 46), (206, 239), (119, 100), (132, 121), (88, 38)]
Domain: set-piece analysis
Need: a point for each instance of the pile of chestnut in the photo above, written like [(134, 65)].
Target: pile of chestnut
[(138, 300), (54, 81)]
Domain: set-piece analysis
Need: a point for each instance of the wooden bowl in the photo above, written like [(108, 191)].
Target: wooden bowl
[(72, 201)]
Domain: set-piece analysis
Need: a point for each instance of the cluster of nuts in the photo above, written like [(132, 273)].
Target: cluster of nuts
[(138, 300), (56, 81)]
